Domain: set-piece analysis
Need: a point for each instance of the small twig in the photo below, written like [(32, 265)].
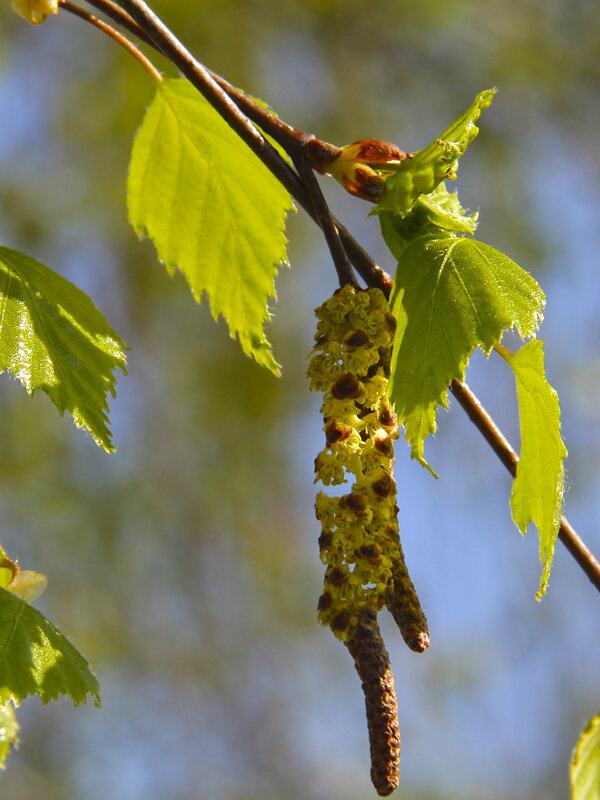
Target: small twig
[(325, 221), (495, 438), (122, 18), (118, 37), (372, 663)]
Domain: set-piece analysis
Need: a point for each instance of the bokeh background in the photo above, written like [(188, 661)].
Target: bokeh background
[(185, 567)]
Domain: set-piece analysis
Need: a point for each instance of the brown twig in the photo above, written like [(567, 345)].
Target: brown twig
[(372, 663), (325, 221)]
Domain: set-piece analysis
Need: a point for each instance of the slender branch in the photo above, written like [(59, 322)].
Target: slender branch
[(122, 18), (326, 223), (229, 102), (495, 438), (118, 37)]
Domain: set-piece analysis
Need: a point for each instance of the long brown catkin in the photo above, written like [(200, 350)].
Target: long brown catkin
[(403, 604), (372, 663)]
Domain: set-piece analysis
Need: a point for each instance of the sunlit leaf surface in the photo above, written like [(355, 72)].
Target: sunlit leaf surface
[(585, 763), (539, 484), (436, 162), (212, 209), (35, 658), (450, 295), (53, 338), (9, 731)]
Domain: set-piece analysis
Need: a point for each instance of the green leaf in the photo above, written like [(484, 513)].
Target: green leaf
[(35, 658), (436, 162), (450, 295), (53, 338), (585, 763), (212, 208), (538, 488), (9, 731), (436, 214)]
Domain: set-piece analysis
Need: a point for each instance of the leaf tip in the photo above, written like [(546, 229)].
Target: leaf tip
[(417, 454)]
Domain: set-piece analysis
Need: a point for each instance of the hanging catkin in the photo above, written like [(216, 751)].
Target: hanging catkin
[(359, 542)]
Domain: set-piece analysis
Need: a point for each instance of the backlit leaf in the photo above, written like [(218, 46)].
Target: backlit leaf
[(436, 214), (9, 731), (538, 487), (585, 763), (450, 295), (212, 208), (439, 160), (53, 338), (35, 658)]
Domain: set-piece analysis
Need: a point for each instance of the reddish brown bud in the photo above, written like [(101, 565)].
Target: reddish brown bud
[(359, 167), (373, 152), (363, 182)]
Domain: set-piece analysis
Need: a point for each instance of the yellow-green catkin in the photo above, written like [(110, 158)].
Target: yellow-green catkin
[(359, 542)]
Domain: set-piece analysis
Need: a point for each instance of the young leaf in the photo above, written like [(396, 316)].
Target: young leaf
[(212, 208), (436, 162), (584, 770), (9, 731), (24, 583), (538, 487), (35, 658), (436, 214), (450, 295), (53, 338)]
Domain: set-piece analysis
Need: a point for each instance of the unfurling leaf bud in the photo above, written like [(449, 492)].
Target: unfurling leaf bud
[(361, 167)]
